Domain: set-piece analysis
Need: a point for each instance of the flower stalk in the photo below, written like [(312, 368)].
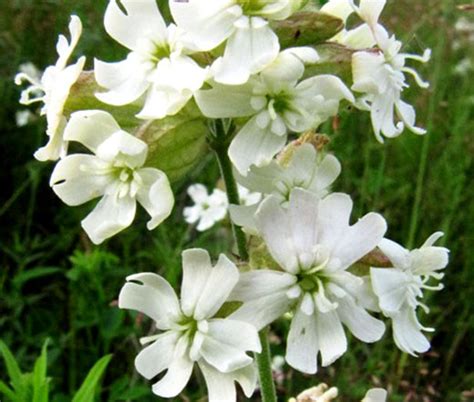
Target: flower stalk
[(220, 137)]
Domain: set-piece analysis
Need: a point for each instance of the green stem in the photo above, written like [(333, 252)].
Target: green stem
[(264, 364), (220, 144), (221, 135)]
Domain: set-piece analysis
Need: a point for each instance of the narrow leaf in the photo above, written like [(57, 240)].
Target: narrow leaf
[(13, 369), (40, 382), (87, 390)]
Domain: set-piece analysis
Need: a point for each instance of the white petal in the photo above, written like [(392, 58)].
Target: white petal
[(244, 216), (280, 244), (155, 195), (261, 179), (238, 334), (74, 179), (124, 147), (125, 81), (161, 102), (223, 101), (254, 146), (397, 254), (334, 214), (338, 8), (407, 332), (209, 23), (157, 357), (153, 297), (220, 282), (370, 10), (331, 338), (91, 128), (327, 172), (302, 343), (362, 325), (264, 294), (175, 379), (303, 220), (249, 49), (361, 37), (360, 238), (432, 239), (196, 271), (375, 395), (257, 284), (390, 286), (407, 114), (110, 216), (198, 193), (220, 386), (143, 19), (227, 341)]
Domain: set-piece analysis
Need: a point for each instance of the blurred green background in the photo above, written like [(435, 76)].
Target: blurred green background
[(55, 284)]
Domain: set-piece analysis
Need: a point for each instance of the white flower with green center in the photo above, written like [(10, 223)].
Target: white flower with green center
[(53, 90), (190, 332), (207, 209), (251, 43), (115, 173), (314, 244), (306, 169), (277, 103), (158, 67), (380, 76), (399, 288)]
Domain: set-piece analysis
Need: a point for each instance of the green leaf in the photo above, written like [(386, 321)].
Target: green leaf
[(307, 28), (40, 381), (87, 390), (6, 391), (38, 272), (13, 369)]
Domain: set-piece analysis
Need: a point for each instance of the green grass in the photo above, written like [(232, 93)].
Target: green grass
[(54, 284)]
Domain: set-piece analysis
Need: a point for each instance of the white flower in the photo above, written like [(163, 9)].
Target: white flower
[(191, 334), (306, 170), (380, 76), (314, 244), (115, 173), (276, 103), (251, 43), (375, 395), (208, 209), (53, 90), (157, 66), (400, 288)]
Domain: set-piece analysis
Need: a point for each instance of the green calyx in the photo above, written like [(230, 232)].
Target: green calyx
[(306, 28)]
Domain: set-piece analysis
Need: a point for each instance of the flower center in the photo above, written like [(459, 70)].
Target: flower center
[(129, 181), (252, 7)]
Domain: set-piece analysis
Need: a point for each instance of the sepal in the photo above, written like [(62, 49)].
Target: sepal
[(176, 143), (307, 28)]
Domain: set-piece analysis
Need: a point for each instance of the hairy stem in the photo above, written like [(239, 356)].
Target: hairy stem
[(220, 137)]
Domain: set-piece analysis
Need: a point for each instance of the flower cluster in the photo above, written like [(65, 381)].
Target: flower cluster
[(229, 62)]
